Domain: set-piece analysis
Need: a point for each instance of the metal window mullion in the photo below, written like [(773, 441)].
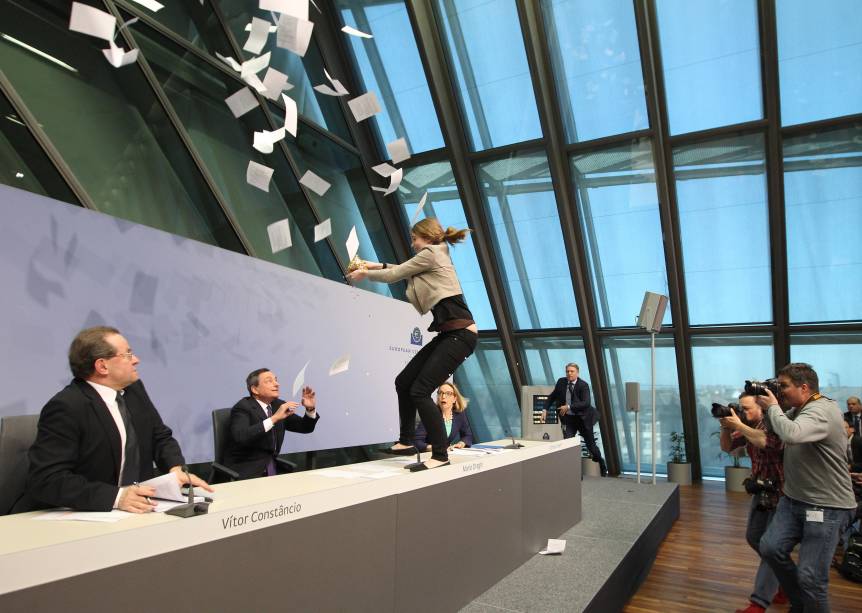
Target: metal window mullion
[(431, 50), (648, 40), (544, 87)]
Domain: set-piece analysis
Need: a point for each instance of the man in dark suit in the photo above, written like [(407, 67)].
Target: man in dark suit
[(571, 395), (853, 415), (100, 435), (258, 423)]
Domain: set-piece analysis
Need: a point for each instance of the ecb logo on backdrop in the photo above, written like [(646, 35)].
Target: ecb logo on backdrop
[(416, 337)]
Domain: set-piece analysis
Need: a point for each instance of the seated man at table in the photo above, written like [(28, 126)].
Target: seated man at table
[(100, 435), (258, 423)]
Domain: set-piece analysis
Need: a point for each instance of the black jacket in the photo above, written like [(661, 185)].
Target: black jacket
[(581, 400)]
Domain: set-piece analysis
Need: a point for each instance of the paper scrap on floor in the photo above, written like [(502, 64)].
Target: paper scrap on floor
[(554, 547)]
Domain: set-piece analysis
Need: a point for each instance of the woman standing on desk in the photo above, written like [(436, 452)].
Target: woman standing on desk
[(432, 285)]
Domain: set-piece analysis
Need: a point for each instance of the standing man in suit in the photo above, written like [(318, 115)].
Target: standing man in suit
[(853, 415), (258, 423), (571, 395), (100, 434)]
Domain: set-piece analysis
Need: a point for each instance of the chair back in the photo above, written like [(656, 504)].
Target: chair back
[(221, 432), (17, 433)]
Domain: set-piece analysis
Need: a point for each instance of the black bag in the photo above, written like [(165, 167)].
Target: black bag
[(851, 564)]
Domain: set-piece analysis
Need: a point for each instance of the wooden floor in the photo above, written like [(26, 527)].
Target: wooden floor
[(705, 564)]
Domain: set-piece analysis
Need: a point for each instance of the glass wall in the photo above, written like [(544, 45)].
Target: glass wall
[(836, 358), (522, 209), (721, 196), (823, 205), (721, 366), (711, 57), (618, 207)]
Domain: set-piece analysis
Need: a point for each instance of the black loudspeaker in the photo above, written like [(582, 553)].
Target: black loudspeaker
[(652, 312), (633, 396)]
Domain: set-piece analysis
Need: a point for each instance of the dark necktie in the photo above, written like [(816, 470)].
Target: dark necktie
[(571, 395), (270, 466), (131, 466)]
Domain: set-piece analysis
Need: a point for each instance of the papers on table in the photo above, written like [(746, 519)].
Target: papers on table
[(299, 381), (314, 183), (384, 169), (352, 243), (258, 175), (364, 106), (167, 487), (88, 20), (419, 208), (394, 181), (340, 365), (279, 235), (97, 516), (291, 114), (467, 452), (355, 32), (265, 140), (150, 4), (241, 102), (398, 151), (554, 547), (322, 230), (294, 34), (274, 82), (258, 35)]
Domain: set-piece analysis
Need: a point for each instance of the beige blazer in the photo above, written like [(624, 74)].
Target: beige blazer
[(430, 276)]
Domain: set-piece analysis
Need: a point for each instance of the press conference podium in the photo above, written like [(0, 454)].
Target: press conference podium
[(388, 540)]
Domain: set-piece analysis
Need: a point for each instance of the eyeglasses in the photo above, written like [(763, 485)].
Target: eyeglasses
[(128, 355), (445, 393)]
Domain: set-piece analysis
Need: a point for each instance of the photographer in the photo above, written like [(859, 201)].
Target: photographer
[(765, 484), (818, 498)]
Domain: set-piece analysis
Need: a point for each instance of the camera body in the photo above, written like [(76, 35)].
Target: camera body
[(765, 491), (719, 410), (758, 388)]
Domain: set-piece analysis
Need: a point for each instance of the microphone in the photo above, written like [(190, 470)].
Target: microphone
[(190, 508), (513, 444)]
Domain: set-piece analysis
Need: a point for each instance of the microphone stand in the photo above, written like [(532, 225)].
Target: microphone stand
[(513, 444), (190, 508)]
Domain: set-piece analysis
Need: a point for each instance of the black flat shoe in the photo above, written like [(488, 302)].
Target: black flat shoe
[(405, 451), (417, 466)]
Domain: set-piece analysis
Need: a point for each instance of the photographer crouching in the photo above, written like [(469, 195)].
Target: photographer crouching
[(765, 484), (818, 497)]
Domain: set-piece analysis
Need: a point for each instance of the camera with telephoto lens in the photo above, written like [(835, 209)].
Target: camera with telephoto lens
[(758, 388), (765, 491), (720, 410)]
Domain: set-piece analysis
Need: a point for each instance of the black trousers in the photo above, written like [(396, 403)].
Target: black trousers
[(583, 425), (429, 369)]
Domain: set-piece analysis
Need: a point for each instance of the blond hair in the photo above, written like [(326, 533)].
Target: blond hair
[(460, 402), (431, 230)]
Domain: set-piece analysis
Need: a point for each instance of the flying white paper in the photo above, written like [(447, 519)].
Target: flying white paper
[(342, 364), (398, 150), (294, 34), (258, 175), (297, 8), (274, 83), (88, 20), (266, 139), (314, 183), (299, 382), (394, 181), (255, 65), (419, 208), (291, 115), (241, 102), (118, 57), (384, 169), (364, 106), (352, 243), (150, 4), (254, 82), (279, 236), (322, 230), (334, 89), (258, 36), (355, 32), (272, 28), (229, 61)]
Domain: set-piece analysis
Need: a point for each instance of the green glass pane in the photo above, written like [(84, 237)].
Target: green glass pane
[(195, 21), (107, 124), (197, 92)]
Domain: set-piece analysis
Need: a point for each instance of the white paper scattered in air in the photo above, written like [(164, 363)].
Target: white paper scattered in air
[(342, 364), (291, 114), (258, 175), (355, 32), (150, 4), (272, 28), (88, 20), (398, 150), (118, 57), (299, 381), (364, 106), (394, 181), (255, 83), (241, 102), (419, 208), (266, 139), (384, 169), (352, 243), (255, 65), (279, 236), (274, 83), (229, 61), (314, 183), (294, 34), (322, 230), (257, 37), (297, 8), (335, 87)]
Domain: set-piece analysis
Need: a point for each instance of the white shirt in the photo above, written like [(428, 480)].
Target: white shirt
[(267, 423), (109, 396)]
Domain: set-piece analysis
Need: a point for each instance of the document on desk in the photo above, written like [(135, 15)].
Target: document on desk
[(468, 452), (69, 515), (169, 490)]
